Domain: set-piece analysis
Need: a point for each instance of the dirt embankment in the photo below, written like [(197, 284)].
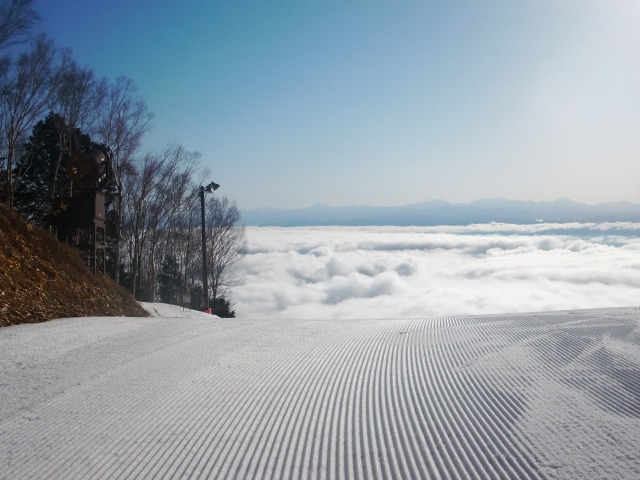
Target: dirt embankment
[(42, 279)]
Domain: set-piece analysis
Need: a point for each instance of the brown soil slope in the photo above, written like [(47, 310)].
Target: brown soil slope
[(42, 279)]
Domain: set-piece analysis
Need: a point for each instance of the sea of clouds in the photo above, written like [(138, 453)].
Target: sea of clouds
[(382, 272)]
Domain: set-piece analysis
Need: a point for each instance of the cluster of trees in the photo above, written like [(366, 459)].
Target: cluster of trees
[(161, 230), (51, 107)]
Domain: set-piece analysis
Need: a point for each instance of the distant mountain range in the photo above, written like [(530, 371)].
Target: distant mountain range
[(440, 212)]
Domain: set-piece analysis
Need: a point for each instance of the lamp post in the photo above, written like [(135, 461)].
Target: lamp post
[(205, 277)]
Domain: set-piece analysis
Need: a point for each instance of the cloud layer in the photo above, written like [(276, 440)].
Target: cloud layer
[(380, 272)]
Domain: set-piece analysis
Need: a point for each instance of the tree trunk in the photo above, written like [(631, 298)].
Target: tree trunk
[(10, 156), (116, 259), (152, 273)]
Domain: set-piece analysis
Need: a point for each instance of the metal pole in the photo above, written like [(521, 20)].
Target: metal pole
[(205, 276)]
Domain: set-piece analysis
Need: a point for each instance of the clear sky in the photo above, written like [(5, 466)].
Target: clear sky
[(295, 103)]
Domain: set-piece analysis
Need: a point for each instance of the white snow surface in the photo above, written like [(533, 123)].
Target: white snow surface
[(165, 310), (537, 395)]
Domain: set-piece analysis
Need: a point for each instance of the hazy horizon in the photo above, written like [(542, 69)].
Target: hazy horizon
[(441, 212), (441, 199)]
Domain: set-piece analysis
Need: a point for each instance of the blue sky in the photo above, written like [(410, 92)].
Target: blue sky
[(378, 102)]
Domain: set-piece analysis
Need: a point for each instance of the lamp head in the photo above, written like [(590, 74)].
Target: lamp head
[(211, 187)]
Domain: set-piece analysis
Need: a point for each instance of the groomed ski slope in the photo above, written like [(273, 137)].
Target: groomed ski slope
[(545, 395)]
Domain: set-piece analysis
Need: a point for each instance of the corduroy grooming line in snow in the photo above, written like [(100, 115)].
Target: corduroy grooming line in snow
[(548, 395)]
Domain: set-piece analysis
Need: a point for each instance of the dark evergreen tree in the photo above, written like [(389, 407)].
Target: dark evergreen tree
[(45, 187), (197, 298), (222, 308), (170, 281), (35, 166)]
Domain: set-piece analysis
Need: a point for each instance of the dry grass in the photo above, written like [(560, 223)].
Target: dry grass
[(42, 279)]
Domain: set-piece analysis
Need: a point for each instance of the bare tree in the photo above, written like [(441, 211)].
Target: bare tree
[(16, 19), (155, 192), (137, 186), (187, 243), (77, 102), (80, 95), (124, 120), (226, 243), (173, 188), (25, 96)]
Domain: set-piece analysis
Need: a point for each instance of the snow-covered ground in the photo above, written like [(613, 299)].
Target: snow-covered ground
[(546, 395), (171, 311)]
